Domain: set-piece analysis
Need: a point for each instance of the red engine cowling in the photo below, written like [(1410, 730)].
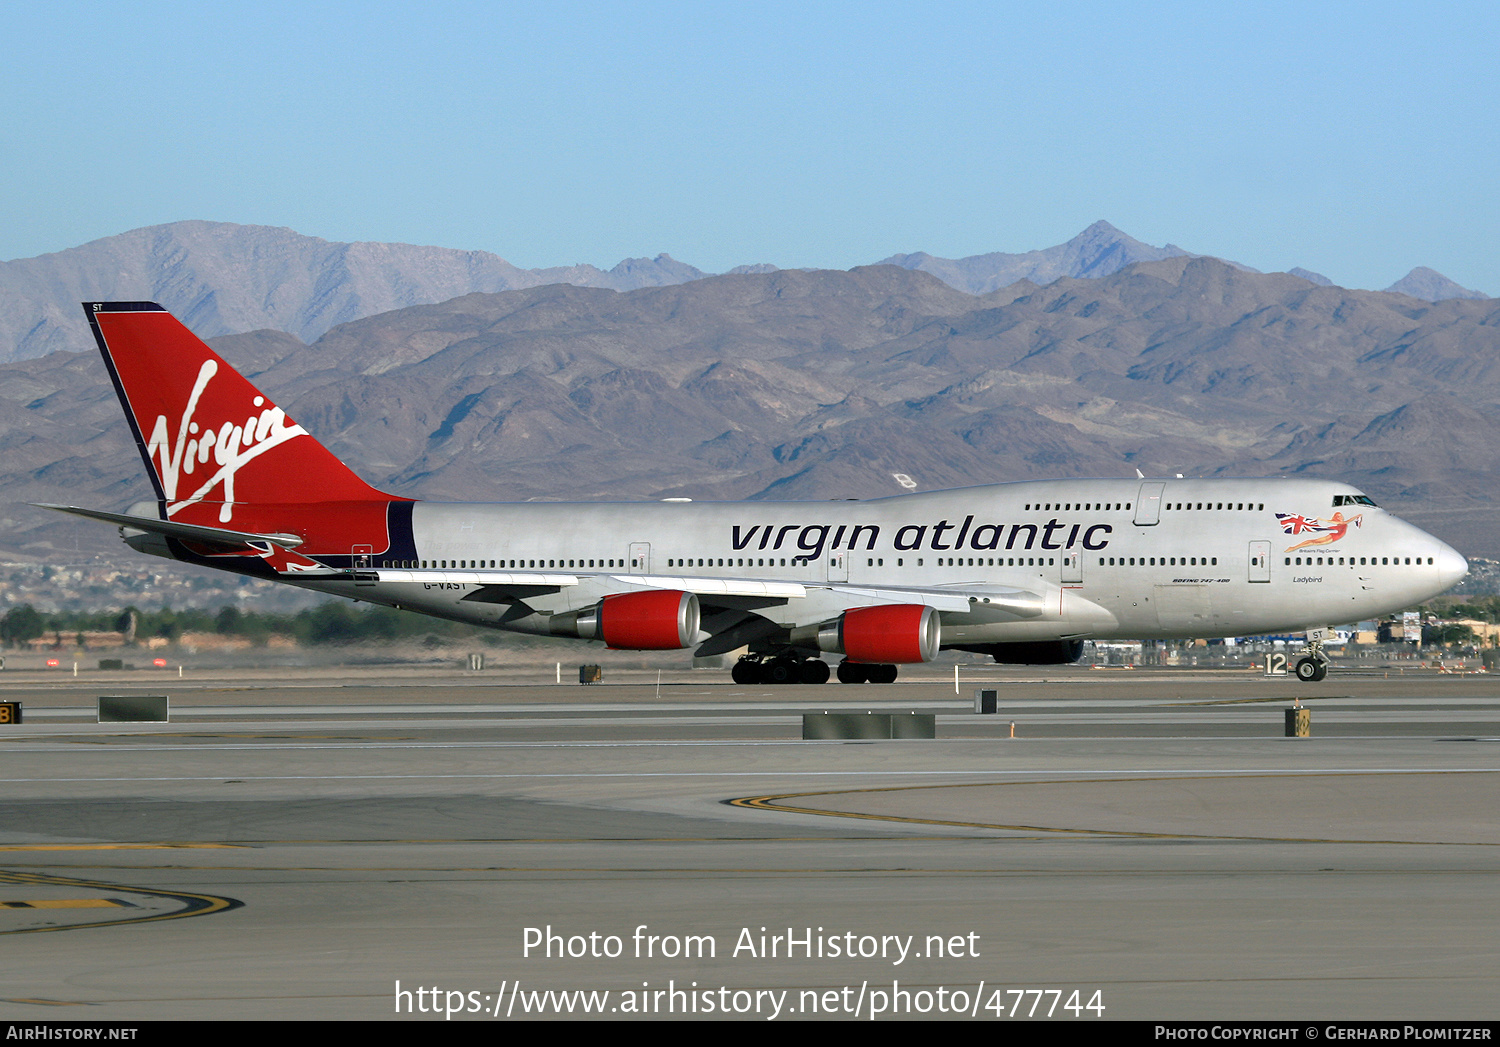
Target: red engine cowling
[(892, 635), (656, 620)]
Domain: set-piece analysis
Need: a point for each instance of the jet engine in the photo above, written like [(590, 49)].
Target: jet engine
[(654, 620), (892, 634)]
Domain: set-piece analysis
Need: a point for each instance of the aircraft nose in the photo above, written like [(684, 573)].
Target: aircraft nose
[(1451, 566)]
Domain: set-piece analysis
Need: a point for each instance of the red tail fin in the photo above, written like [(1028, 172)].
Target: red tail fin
[(211, 440)]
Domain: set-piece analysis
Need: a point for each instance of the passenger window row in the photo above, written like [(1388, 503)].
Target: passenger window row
[(950, 561), (481, 565), (1216, 506), (992, 561), (1373, 561), (872, 561), (709, 561), (1160, 561), (1073, 507)]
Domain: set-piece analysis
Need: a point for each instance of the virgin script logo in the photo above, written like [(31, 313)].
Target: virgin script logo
[(231, 445)]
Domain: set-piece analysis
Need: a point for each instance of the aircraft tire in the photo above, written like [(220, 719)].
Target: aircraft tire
[(814, 671), (852, 672), (882, 674), (1322, 672), (745, 672), (781, 671), (1309, 670)]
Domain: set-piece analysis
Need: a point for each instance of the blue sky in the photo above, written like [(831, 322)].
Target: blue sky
[(1356, 139)]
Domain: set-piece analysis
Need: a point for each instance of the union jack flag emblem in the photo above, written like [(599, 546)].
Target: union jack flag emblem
[(1333, 530), (1293, 523)]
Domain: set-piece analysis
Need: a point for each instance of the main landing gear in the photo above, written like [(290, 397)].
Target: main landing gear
[(1313, 665), (754, 668), (865, 672), (793, 668)]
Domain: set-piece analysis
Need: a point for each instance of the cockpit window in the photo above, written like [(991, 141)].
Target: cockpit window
[(1353, 499)]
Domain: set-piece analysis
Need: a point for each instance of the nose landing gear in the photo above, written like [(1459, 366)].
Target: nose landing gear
[(1313, 666), (1311, 671)]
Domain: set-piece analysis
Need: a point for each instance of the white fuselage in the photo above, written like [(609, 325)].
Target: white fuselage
[(1061, 559)]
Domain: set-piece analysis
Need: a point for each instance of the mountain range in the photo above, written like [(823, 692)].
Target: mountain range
[(821, 384), (222, 278)]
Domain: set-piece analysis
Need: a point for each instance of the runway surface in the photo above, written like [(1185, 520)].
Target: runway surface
[(1149, 845)]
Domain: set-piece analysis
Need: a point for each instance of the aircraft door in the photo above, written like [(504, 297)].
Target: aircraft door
[(359, 561), (640, 557), (1260, 561), (1148, 504), (1072, 569), (838, 567)]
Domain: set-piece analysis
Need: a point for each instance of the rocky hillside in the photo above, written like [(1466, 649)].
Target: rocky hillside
[(225, 279), (228, 279), (825, 384)]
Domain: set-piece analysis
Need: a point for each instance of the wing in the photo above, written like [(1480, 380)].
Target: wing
[(717, 615)]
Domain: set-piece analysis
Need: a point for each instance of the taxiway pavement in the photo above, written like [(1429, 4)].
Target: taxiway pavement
[(293, 846)]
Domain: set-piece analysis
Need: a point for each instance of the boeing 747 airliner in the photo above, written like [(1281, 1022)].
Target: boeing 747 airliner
[(1024, 572)]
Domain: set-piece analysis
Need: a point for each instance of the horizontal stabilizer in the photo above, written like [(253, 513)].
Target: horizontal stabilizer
[(173, 529)]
